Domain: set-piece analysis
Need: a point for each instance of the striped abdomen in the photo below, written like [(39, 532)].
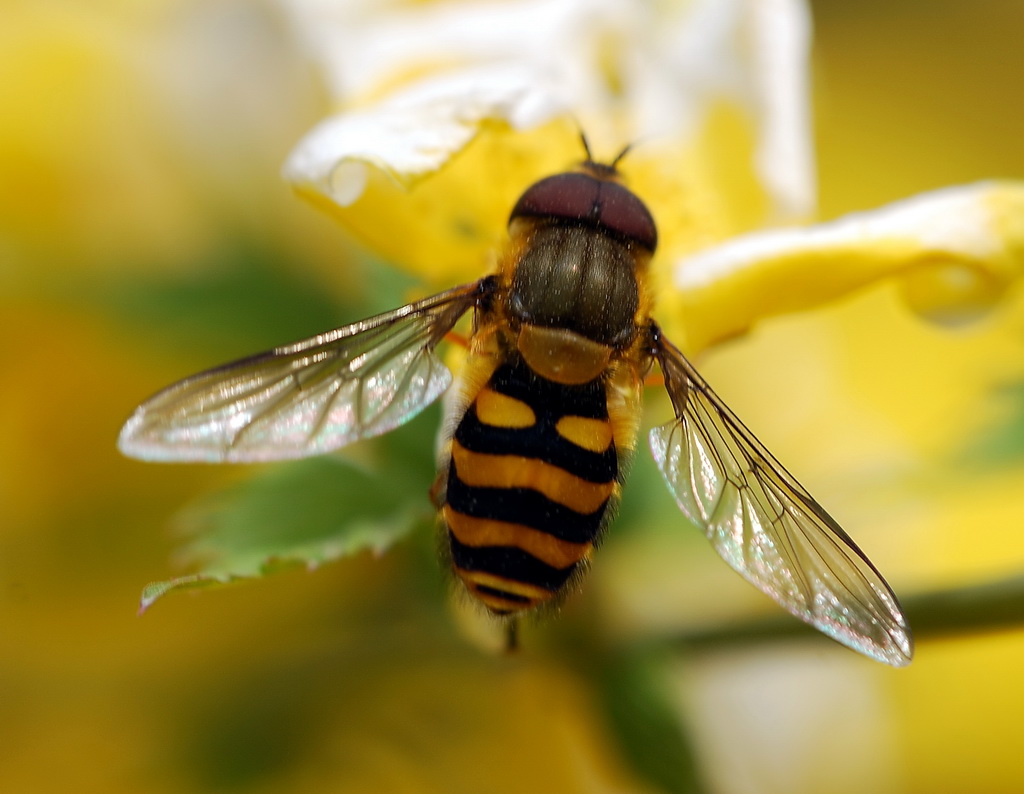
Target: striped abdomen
[(533, 472)]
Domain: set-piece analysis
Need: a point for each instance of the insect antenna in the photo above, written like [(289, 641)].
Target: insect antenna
[(586, 147), (625, 150), (604, 168)]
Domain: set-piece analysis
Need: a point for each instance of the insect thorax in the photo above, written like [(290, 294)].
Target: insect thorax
[(578, 279)]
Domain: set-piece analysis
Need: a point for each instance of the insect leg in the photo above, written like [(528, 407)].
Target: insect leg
[(512, 635)]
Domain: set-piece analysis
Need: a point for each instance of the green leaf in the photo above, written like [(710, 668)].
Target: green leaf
[(1001, 444), (306, 513), (242, 298), (638, 702)]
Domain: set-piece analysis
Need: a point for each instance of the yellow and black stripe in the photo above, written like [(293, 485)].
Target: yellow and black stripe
[(533, 472)]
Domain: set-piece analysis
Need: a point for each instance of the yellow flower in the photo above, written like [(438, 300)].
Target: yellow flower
[(435, 141), (450, 110), (136, 135)]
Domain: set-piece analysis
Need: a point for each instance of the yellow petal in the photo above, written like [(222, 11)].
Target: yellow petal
[(449, 227), (955, 251), (452, 111)]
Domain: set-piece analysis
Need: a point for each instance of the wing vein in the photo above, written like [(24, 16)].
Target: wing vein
[(765, 524)]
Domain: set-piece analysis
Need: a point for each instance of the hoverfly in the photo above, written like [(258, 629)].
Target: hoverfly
[(541, 422)]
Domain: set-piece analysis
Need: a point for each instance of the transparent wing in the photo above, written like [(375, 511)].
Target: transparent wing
[(306, 398), (765, 525)]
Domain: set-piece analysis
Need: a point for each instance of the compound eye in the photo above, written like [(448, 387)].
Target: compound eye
[(590, 201)]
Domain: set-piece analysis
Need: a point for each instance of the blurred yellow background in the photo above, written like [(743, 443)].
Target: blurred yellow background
[(145, 234)]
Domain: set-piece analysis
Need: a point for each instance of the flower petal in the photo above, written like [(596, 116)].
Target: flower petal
[(955, 250), (449, 227), (719, 85), (778, 71), (416, 131)]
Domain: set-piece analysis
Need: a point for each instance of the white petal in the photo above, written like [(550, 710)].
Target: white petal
[(415, 132), (753, 53), (779, 71), (786, 718), (626, 71), (364, 44)]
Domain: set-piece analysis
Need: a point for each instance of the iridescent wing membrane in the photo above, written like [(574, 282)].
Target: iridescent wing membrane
[(765, 525), (306, 398)]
